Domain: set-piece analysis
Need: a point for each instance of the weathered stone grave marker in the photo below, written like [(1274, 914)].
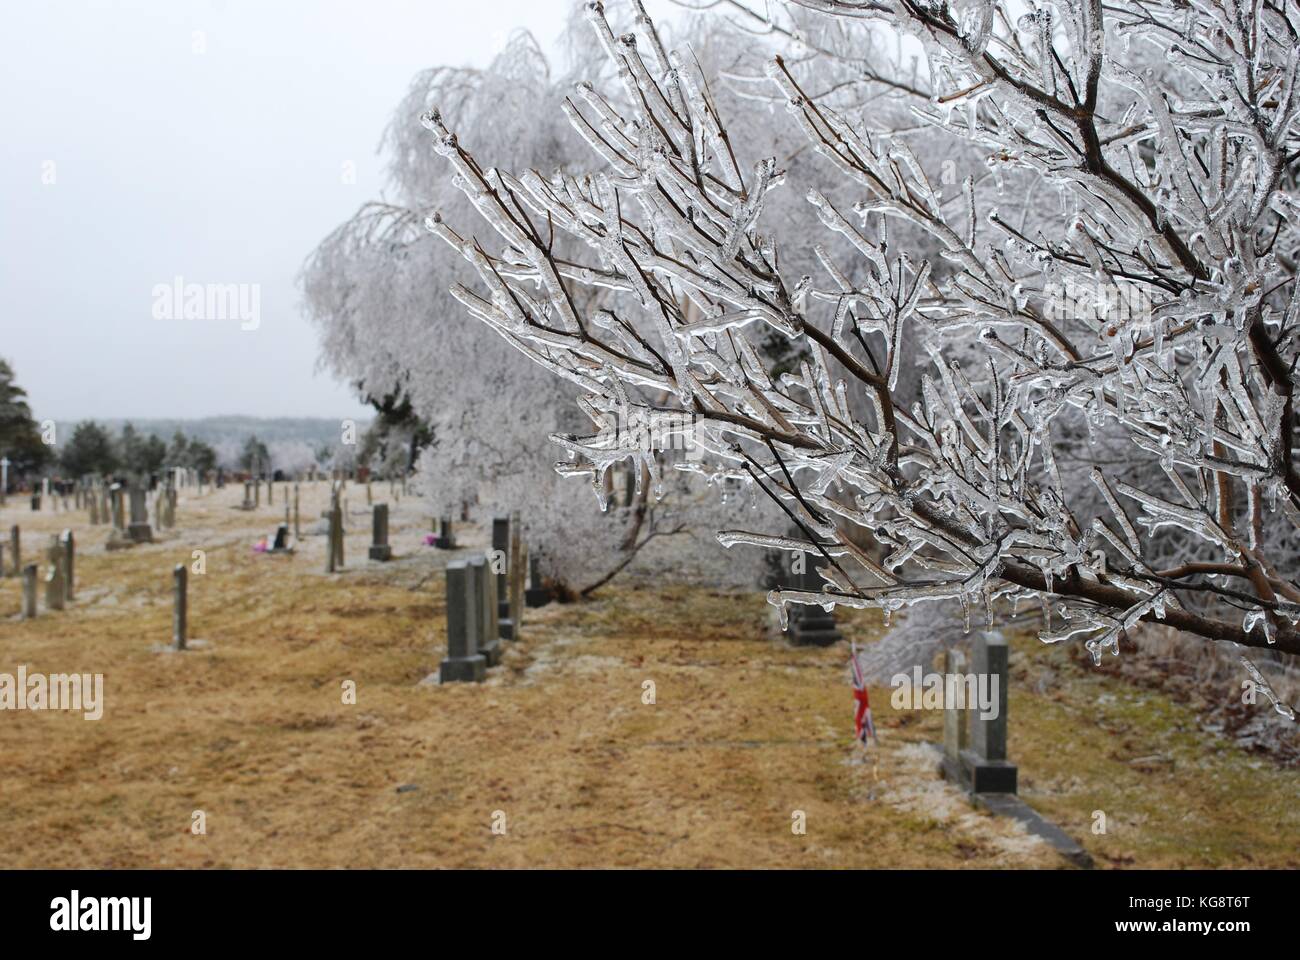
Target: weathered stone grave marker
[(446, 539), (139, 530), (29, 591), (485, 593), (69, 565), (537, 594), (180, 606), (811, 624), (463, 662), (54, 582), (379, 548), (501, 548), (984, 763)]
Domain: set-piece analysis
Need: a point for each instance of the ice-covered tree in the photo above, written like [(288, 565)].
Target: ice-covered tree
[(1124, 264), (378, 289)]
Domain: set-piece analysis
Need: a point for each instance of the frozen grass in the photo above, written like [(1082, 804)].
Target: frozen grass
[(745, 730)]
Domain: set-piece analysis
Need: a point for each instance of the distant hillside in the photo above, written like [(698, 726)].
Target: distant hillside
[(292, 442)]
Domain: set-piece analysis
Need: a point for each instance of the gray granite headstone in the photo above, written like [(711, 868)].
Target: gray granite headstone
[(956, 737), (139, 530), (485, 595), (54, 581), (985, 764), (379, 548), (29, 591), (537, 594), (463, 662), (180, 606), (446, 539), (69, 564)]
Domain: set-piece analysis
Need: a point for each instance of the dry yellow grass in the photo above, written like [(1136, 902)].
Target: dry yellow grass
[(746, 730)]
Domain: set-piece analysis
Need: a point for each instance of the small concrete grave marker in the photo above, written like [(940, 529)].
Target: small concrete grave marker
[(379, 548), (537, 594), (180, 606), (29, 591), (446, 539), (69, 564), (139, 530), (54, 582), (811, 625)]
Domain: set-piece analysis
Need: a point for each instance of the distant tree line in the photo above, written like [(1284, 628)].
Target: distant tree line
[(92, 449)]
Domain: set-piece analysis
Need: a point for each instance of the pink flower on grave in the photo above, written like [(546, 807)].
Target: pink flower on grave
[(260, 546), (429, 539)]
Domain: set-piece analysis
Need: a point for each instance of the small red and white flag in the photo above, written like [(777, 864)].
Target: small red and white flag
[(862, 725)]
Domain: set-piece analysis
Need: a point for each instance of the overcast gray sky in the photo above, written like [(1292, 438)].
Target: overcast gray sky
[(207, 140)]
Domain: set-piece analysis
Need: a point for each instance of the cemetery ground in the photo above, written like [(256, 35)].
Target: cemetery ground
[(252, 729)]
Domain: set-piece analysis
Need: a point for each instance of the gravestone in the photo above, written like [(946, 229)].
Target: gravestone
[(446, 539), (139, 530), (515, 578), (257, 492), (334, 549), (29, 591), (169, 507), (15, 549), (485, 597), (811, 625), (537, 595), (119, 510), (297, 531), (93, 504), (248, 496), (180, 606), (69, 565), (281, 543), (501, 547), (956, 736), (36, 502), (379, 548), (463, 662), (104, 511), (54, 580), (984, 764)]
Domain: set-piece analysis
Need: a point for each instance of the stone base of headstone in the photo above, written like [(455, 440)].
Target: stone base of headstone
[(506, 627), (139, 533), (982, 775), (381, 552), (463, 669), (117, 540), (987, 776), (491, 653)]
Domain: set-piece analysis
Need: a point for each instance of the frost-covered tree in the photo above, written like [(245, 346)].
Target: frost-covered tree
[(378, 289), (1123, 264)]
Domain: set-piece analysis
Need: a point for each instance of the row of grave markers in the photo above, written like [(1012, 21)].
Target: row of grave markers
[(485, 599), (60, 572)]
